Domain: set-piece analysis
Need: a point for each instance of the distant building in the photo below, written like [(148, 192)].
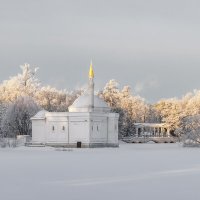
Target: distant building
[(152, 130), (89, 123), (155, 132)]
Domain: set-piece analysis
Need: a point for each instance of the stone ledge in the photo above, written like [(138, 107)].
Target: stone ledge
[(73, 145)]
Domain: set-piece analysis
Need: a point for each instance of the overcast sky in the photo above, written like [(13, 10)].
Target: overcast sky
[(151, 45)]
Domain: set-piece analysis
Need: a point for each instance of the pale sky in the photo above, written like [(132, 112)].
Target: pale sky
[(151, 45)]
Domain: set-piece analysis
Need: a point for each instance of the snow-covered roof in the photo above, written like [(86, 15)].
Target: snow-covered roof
[(40, 115), (156, 125), (81, 104)]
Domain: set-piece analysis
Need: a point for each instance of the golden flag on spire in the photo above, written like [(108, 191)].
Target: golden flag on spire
[(91, 72)]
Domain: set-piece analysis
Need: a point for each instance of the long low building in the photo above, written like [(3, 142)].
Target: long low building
[(152, 129), (152, 132)]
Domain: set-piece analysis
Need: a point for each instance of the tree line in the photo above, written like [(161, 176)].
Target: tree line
[(23, 95)]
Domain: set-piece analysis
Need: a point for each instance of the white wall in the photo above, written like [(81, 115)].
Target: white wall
[(58, 134), (81, 127), (113, 128), (76, 128), (107, 128), (79, 130), (98, 129), (38, 131)]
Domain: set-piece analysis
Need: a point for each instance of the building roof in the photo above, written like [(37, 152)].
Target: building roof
[(154, 125), (81, 104), (40, 115)]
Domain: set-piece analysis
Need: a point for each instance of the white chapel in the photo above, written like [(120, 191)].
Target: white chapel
[(89, 123)]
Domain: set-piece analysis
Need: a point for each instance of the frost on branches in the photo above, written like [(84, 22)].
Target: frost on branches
[(175, 111), (54, 100), (23, 94), (24, 84), (190, 129), (131, 108), (17, 119), (3, 109)]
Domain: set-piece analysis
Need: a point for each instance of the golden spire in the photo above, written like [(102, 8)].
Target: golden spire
[(91, 72)]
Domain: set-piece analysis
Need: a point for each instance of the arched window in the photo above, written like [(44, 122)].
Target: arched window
[(97, 128), (63, 128), (53, 128)]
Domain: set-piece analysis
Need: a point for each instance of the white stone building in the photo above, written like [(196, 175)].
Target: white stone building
[(89, 123)]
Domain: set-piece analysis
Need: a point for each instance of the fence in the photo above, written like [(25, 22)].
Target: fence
[(15, 142)]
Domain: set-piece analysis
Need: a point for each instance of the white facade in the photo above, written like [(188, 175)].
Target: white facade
[(66, 129), (88, 123)]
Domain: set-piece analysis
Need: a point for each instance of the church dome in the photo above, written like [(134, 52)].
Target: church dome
[(81, 104)]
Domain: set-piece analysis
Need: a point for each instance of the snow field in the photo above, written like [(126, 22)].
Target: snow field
[(133, 171)]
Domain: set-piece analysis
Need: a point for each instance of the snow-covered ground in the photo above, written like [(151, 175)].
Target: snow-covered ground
[(133, 171)]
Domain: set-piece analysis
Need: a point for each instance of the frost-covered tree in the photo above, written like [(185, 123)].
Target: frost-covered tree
[(170, 111), (191, 103), (131, 108), (152, 115), (54, 100), (24, 84), (27, 77), (190, 129), (17, 119), (135, 110), (3, 108), (110, 93)]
